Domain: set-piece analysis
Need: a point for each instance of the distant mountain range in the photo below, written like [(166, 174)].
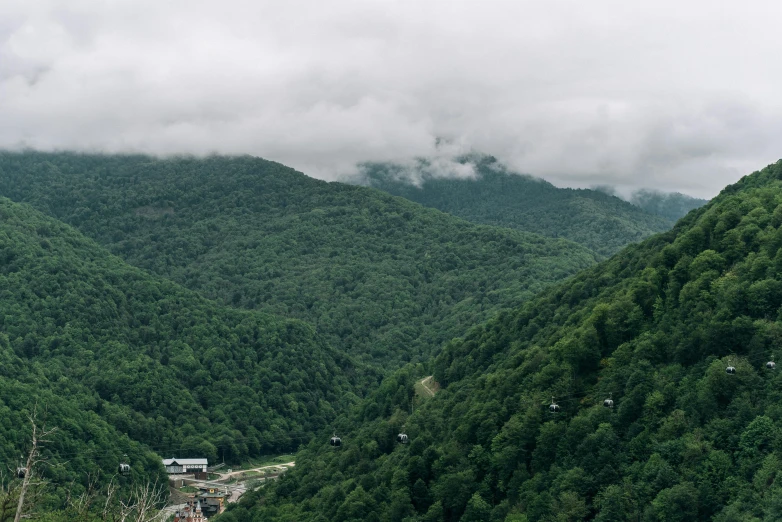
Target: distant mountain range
[(496, 196)]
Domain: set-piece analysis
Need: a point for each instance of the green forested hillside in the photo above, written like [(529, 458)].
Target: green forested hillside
[(671, 205), (85, 449), (654, 328), (156, 362), (378, 276), (599, 221)]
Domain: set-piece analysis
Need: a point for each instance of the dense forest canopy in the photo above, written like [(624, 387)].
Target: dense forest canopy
[(378, 277), (311, 280), (654, 328), (495, 196), (85, 449), (155, 362)]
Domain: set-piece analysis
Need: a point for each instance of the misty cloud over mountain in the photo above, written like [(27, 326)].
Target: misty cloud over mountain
[(666, 95)]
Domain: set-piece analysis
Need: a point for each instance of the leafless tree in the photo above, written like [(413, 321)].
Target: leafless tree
[(40, 436), (141, 505)]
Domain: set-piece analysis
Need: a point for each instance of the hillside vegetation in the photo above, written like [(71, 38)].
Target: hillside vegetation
[(141, 356), (654, 328), (599, 221), (85, 449), (378, 277)]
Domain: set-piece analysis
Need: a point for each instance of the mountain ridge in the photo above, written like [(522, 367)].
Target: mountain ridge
[(497, 196), (382, 278)]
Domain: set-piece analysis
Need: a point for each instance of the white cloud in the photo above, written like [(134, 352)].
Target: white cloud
[(674, 95)]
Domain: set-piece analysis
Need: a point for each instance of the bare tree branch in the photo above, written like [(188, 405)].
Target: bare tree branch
[(40, 435)]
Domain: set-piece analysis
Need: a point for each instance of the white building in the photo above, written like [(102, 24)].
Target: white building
[(174, 466)]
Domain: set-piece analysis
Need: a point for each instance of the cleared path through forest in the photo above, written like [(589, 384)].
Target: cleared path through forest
[(227, 476), (428, 385)]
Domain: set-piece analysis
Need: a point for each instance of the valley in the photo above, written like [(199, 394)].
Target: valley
[(678, 331), (166, 309), (219, 371), (390, 261)]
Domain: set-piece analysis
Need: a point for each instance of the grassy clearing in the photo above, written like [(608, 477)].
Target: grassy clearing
[(427, 387), (267, 460)]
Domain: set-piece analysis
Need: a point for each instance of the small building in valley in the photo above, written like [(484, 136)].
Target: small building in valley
[(190, 513), (178, 466), (213, 499)]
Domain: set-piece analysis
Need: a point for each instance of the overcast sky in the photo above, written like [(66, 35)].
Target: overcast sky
[(675, 95)]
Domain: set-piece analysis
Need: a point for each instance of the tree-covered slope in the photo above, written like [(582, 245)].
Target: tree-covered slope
[(599, 221), (157, 362), (84, 450), (378, 276), (654, 328), (672, 205)]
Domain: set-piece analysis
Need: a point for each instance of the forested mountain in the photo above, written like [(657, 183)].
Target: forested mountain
[(116, 355), (379, 277), (654, 328), (669, 205), (599, 221)]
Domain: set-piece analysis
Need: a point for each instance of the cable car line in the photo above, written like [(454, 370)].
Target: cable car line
[(769, 365), (402, 437)]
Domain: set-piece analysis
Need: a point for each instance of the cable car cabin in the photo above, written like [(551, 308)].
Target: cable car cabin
[(335, 441), (21, 472), (554, 407), (730, 370), (124, 468), (402, 438), (771, 365), (608, 403)]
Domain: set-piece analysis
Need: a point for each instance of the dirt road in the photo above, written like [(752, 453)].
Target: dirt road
[(425, 384)]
